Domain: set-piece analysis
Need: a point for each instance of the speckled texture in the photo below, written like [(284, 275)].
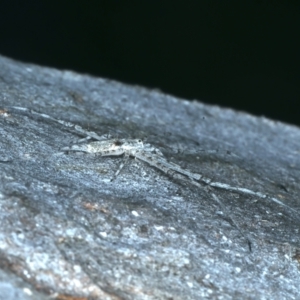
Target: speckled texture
[(67, 230)]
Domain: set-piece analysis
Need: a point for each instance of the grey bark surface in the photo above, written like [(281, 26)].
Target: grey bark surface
[(67, 230)]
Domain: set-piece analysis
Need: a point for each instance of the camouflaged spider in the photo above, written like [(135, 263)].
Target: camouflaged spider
[(106, 146)]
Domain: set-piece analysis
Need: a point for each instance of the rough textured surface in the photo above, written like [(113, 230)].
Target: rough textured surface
[(67, 231)]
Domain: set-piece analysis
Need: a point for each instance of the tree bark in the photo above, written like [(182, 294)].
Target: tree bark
[(68, 230)]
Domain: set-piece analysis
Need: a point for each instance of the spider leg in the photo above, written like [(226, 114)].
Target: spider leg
[(171, 169), (83, 140), (162, 164), (121, 166), (223, 207), (79, 148), (78, 128), (245, 191), (176, 172)]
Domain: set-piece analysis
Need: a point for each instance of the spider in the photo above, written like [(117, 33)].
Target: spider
[(105, 145)]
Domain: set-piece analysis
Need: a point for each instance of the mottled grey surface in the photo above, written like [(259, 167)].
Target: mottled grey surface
[(67, 230)]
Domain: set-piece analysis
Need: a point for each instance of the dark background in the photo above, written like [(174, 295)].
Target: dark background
[(240, 54)]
